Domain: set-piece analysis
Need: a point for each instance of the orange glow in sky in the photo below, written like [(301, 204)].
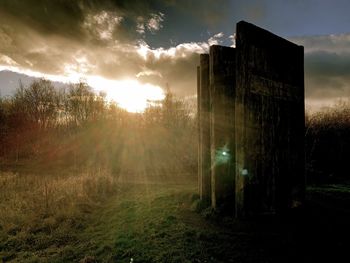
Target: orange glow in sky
[(129, 94)]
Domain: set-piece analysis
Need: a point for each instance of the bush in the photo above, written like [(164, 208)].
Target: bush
[(327, 141)]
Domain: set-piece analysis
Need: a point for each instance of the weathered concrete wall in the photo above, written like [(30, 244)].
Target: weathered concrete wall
[(251, 124), (222, 62), (269, 116), (199, 130), (204, 130)]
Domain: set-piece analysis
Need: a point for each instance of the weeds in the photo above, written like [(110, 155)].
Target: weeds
[(38, 212)]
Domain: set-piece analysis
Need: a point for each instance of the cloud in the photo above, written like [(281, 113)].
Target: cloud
[(140, 27), (147, 72), (111, 39), (155, 22), (142, 39), (174, 66), (5, 40), (216, 39), (7, 60), (327, 74), (209, 12), (152, 25), (102, 52), (233, 40), (102, 24), (180, 51), (330, 43), (327, 66)]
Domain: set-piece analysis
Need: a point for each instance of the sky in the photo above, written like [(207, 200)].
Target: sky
[(135, 48)]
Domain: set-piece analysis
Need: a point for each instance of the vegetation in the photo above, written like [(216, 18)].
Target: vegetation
[(77, 128), (62, 156), (160, 223), (328, 144), (42, 212), (82, 180)]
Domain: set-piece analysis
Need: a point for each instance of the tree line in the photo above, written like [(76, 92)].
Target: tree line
[(327, 144), (76, 127)]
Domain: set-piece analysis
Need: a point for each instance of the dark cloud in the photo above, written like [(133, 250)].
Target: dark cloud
[(179, 74), (66, 17), (327, 74), (47, 17), (328, 63), (327, 66), (209, 13)]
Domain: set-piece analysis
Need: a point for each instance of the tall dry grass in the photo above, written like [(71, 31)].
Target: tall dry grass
[(32, 203)]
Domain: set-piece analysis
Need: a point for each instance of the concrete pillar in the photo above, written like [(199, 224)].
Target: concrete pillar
[(199, 131), (269, 118), (204, 130), (222, 132)]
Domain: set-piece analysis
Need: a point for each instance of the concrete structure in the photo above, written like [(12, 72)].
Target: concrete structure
[(204, 129), (222, 131), (256, 97)]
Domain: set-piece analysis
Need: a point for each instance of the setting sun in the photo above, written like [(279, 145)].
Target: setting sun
[(128, 94)]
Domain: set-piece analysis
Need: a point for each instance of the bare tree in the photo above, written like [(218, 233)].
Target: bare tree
[(38, 103), (83, 105)]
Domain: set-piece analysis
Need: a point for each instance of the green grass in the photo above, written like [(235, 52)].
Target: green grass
[(144, 223), (159, 223)]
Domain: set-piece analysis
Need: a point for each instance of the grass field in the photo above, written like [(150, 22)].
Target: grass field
[(159, 223)]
